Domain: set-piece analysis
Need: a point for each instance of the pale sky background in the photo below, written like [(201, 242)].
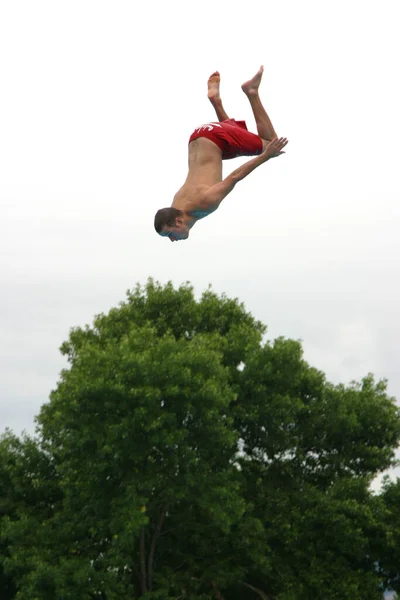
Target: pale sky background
[(98, 100)]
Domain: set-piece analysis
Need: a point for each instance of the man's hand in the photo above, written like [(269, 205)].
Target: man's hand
[(274, 148)]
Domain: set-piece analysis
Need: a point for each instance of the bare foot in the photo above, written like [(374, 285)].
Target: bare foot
[(213, 86), (250, 87)]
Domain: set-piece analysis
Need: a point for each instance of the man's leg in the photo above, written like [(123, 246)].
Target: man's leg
[(264, 126), (214, 97)]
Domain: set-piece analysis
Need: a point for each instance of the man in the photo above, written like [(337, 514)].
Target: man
[(210, 144)]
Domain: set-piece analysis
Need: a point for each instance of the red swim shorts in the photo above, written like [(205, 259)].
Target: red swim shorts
[(231, 136)]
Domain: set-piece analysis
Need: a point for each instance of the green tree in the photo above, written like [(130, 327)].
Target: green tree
[(310, 452), (192, 459), (29, 493), (389, 513)]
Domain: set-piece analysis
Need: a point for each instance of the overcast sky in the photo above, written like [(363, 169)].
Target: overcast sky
[(98, 100)]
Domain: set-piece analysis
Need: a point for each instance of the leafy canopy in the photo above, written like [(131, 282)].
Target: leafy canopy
[(183, 456)]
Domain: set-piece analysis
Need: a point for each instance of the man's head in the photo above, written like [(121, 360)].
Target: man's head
[(170, 222)]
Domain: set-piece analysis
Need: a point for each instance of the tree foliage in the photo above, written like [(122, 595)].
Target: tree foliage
[(183, 456)]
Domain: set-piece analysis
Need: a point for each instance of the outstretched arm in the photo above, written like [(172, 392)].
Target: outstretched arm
[(215, 194)]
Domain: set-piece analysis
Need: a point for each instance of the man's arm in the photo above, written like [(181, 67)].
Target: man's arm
[(215, 194)]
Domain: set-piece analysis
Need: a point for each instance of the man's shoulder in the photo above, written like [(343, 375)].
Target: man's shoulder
[(191, 198)]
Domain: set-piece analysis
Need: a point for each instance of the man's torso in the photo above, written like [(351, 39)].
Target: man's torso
[(205, 170)]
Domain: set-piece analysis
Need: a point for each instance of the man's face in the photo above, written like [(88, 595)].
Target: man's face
[(175, 233)]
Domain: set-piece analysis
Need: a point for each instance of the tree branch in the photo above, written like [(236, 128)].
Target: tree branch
[(179, 566), (262, 594), (218, 594), (152, 552), (143, 578)]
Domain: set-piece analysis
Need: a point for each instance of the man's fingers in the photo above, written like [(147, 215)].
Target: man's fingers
[(276, 145), (279, 142)]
